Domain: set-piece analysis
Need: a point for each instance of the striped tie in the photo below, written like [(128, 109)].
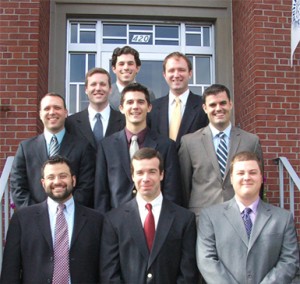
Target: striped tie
[(54, 146), (222, 153), (247, 220)]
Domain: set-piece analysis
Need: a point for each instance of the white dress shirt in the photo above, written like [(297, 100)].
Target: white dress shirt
[(105, 114)]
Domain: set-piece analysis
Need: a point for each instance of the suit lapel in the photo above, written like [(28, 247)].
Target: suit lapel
[(84, 126), (135, 227), (150, 139), (164, 225), (232, 214), (67, 144), (210, 151), (43, 222), (79, 221), (163, 114), (41, 148), (121, 143), (263, 215)]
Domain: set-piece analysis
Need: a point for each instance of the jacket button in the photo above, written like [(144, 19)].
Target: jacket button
[(149, 275)]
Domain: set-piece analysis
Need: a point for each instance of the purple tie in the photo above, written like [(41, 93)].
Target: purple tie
[(61, 248), (149, 227), (247, 220)]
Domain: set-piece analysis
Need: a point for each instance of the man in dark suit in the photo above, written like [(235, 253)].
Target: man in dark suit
[(204, 183), (31, 250), (113, 183), (177, 70), (246, 240), (25, 176), (153, 245), (125, 63), (82, 124)]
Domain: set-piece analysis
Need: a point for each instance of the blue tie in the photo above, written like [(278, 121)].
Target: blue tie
[(247, 220), (98, 128), (222, 153)]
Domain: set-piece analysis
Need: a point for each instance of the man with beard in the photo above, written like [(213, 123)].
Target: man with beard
[(56, 241), (25, 176)]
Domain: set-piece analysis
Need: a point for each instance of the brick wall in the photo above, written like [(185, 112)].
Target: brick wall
[(24, 47), (266, 87)]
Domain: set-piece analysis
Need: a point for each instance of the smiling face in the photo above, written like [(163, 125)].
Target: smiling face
[(218, 109), (246, 179), (58, 182), (53, 113), (147, 177), (177, 75), (135, 108), (125, 69), (98, 90)]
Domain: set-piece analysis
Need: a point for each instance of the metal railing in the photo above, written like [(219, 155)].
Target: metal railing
[(294, 179), (5, 203)]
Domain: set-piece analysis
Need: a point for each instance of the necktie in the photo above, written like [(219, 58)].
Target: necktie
[(54, 146), (98, 128), (134, 145), (247, 220), (149, 227), (61, 248), (175, 119), (222, 153)]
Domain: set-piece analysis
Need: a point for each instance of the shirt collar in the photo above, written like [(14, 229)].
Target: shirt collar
[(105, 113), (141, 135), (155, 202), (252, 206), (215, 131), (120, 87), (59, 135), (52, 205), (183, 97)]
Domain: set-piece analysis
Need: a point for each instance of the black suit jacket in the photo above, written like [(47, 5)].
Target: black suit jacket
[(28, 254), (113, 182), (193, 118), (124, 253), (25, 178), (78, 124)]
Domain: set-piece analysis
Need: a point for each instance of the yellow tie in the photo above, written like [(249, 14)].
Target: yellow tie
[(175, 119)]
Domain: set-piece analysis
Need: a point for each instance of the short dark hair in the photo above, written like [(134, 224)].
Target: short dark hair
[(52, 94), (177, 55), (246, 156), (57, 159), (125, 50), (135, 87), (147, 153), (97, 70), (214, 90)]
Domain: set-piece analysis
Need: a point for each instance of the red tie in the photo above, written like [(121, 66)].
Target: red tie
[(149, 227)]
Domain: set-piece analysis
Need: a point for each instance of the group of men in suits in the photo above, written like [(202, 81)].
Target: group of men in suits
[(190, 177)]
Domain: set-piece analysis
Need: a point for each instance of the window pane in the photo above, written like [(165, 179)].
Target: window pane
[(206, 36), (166, 32), (142, 27), (87, 26), (203, 70), (197, 90), (114, 41), (193, 39), (140, 38), (91, 61), (72, 105), (193, 29), (77, 68), (87, 37), (114, 30), (84, 102), (74, 33), (167, 42)]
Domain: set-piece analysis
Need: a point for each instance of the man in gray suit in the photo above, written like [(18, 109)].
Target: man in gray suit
[(204, 183), (126, 64), (246, 240)]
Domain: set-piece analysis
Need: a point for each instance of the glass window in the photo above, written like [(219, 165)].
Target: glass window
[(74, 30), (77, 67), (203, 70), (206, 36), (114, 30), (140, 38)]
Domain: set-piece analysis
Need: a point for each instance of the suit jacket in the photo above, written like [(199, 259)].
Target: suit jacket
[(78, 124), (193, 118), (225, 255), (200, 173), (115, 97), (125, 257), (28, 254), (25, 178), (113, 182)]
